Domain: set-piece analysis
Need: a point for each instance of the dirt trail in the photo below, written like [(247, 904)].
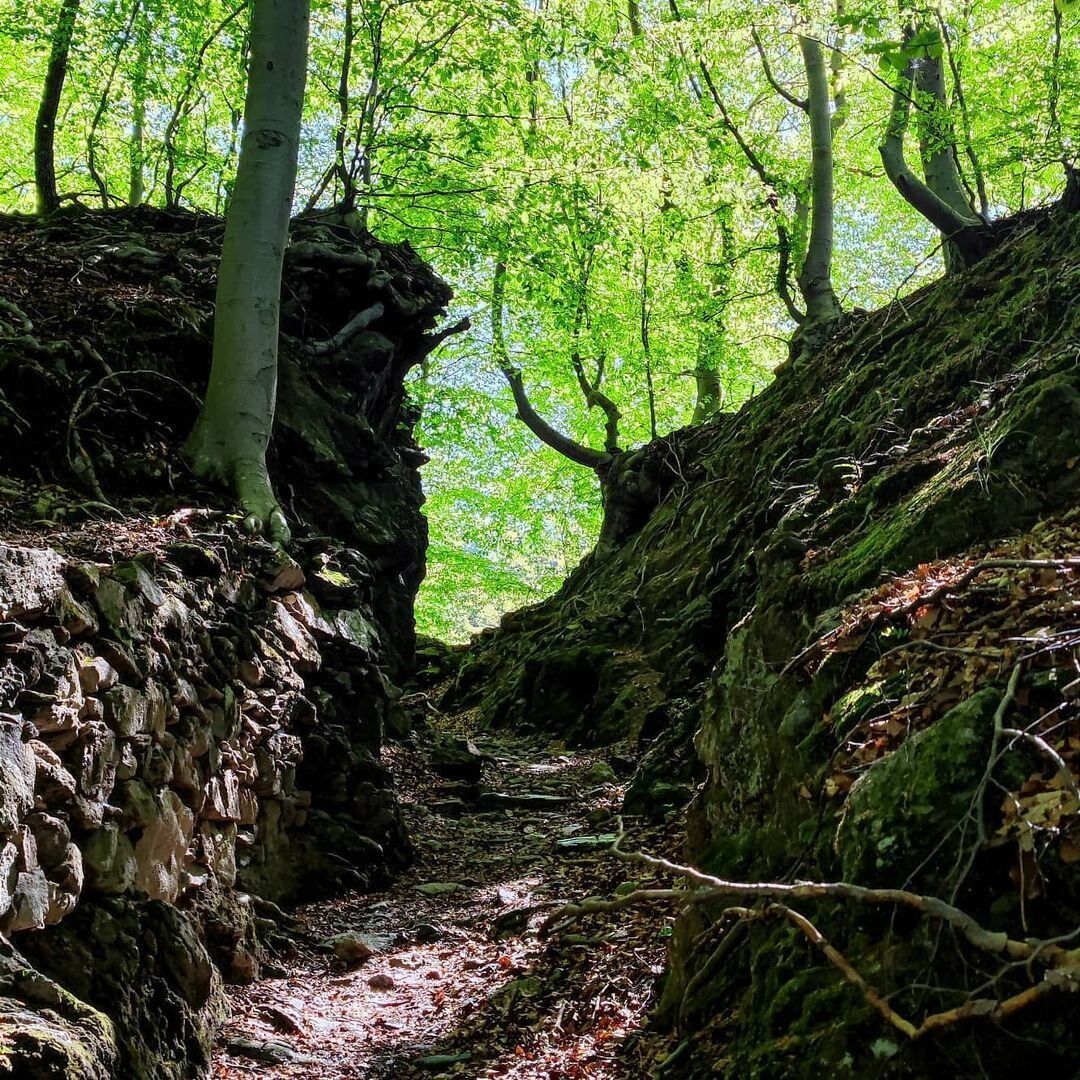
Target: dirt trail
[(458, 983)]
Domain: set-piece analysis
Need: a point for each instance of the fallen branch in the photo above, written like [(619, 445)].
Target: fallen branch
[(1062, 965), (980, 1008), (1064, 772)]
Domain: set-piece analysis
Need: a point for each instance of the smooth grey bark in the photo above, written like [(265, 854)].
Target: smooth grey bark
[(966, 236), (48, 199), (233, 430), (136, 149), (646, 346), (709, 394), (937, 149), (815, 278)]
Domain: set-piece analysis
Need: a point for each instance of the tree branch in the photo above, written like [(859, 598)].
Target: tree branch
[(361, 321), (563, 444), (968, 234), (1062, 965), (787, 95)]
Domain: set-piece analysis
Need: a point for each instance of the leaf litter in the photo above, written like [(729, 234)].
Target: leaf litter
[(454, 980), (951, 627)]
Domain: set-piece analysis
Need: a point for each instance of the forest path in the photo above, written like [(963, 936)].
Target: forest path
[(458, 983)]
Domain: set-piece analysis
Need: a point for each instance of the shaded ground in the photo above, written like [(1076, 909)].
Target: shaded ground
[(460, 983)]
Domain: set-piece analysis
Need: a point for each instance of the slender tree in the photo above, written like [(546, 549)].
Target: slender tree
[(232, 433), (48, 199), (815, 277), (139, 77)]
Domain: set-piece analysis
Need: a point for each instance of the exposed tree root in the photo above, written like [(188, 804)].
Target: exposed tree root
[(250, 481)]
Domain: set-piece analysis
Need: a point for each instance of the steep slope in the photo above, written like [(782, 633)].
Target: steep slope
[(188, 718), (926, 431)]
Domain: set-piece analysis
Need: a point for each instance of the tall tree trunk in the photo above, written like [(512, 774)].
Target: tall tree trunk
[(103, 105), (968, 235), (348, 187), (48, 200), (233, 430), (709, 394), (815, 278), (136, 150), (646, 346)]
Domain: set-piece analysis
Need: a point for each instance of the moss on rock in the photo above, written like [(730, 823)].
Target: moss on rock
[(901, 813)]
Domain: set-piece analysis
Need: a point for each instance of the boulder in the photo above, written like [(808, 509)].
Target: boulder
[(223, 797), (909, 803), (127, 711), (109, 861), (161, 849), (52, 836), (93, 764), (29, 902), (457, 758), (97, 674), (53, 784), (49, 1032), (295, 637)]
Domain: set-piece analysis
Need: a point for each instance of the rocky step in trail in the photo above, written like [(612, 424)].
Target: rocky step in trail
[(446, 973)]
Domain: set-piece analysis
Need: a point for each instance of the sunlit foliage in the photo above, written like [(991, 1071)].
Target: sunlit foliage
[(586, 145)]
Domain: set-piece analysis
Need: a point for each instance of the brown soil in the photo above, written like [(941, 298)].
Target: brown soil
[(445, 993)]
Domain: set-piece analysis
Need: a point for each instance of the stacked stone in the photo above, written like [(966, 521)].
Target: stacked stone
[(152, 721)]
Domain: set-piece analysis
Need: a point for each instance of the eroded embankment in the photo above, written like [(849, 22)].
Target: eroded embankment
[(924, 434), (189, 721)]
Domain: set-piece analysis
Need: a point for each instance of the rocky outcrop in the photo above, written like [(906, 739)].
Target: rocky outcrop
[(768, 605), (190, 721), (170, 735)]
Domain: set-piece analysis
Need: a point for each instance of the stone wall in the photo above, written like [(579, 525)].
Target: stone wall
[(190, 721), (171, 729)]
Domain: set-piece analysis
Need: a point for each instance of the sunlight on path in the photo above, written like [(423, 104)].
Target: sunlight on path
[(444, 974)]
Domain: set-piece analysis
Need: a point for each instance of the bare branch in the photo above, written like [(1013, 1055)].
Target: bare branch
[(1062, 965), (787, 95), (361, 321), (563, 444)]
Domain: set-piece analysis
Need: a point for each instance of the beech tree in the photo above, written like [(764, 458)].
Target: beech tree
[(232, 433), (938, 195), (48, 199), (717, 250)]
